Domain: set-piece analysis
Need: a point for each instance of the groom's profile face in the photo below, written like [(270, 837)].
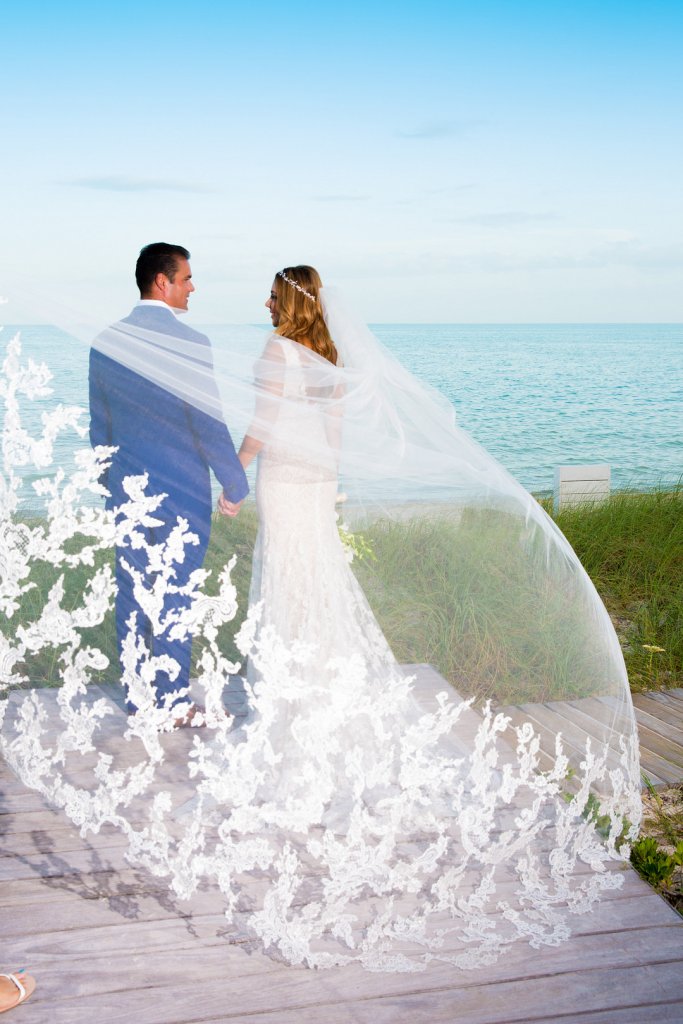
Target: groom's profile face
[(178, 290)]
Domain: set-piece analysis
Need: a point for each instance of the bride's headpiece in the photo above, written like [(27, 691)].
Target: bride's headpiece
[(295, 284)]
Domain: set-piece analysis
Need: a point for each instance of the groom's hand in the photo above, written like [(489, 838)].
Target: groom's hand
[(228, 508)]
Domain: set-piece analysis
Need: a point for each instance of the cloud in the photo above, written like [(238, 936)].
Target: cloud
[(632, 254), (619, 254), (434, 262), (429, 194), (341, 198), (448, 189), (504, 219), (122, 183), (439, 129)]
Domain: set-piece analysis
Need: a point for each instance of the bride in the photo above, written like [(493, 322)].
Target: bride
[(383, 801), (300, 572)]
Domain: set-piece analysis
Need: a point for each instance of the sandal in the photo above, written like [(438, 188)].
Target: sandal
[(25, 988), (191, 714), (188, 717)]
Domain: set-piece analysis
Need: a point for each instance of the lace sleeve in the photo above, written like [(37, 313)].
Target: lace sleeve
[(269, 381), (335, 414)]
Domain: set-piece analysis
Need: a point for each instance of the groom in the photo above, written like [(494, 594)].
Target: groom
[(158, 432)]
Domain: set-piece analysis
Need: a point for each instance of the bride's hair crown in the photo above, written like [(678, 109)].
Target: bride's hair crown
[(295, 284)]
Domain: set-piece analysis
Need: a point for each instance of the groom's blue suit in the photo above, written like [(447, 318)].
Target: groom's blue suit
[(176, 445)]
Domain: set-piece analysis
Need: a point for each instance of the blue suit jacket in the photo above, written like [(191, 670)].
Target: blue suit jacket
[(158, 433)]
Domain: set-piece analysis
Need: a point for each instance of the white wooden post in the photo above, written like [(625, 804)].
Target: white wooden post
[(580, 485)]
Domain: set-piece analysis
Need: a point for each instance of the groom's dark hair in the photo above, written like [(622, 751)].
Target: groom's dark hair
[(158, 258)]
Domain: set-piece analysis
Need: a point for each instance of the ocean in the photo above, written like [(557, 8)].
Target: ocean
[(535, 395)]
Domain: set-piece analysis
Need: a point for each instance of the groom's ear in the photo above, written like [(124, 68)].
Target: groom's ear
[(161, 282)]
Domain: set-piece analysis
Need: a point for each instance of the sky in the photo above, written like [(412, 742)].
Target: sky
[(442, 162)]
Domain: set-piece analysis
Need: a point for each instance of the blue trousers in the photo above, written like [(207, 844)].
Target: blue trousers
[(158, 644)]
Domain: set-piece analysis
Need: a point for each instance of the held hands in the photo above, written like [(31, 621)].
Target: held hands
[(228, 508)]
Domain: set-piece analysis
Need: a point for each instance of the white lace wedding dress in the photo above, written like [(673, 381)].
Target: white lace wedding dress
[(301, 570), (307, 600)]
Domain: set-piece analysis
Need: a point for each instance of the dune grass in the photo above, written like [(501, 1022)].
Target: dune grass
[(442, 592), (43, 667), (456, 594), (632, 548)]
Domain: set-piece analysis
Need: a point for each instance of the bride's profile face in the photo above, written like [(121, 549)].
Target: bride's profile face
[(271, 304)]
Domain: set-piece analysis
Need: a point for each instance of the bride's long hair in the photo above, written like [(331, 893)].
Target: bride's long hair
[(301, 315)]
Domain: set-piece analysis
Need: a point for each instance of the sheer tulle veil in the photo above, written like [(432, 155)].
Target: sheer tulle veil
[(474, 788)]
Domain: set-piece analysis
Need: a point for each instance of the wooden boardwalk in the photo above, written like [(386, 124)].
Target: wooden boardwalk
[(109, 944), (660, 727)]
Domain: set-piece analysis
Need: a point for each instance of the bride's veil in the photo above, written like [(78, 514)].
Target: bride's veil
[(495, 808)]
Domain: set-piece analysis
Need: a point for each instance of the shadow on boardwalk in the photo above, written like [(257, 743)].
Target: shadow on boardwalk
[(110, 944)]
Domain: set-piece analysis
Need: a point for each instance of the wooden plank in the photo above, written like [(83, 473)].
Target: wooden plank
[(156, 989), (648, 771), (579, 725), (118, 934), (93, 930), (663, 1013), (61, 901), (653, 766), (57, 841), (602, 710), (659, 725), (546, 761), (594, 714), (161, 934), (545, 999), (114, 945), (655, 743), (669, 705), (79, 771), (94, 876), (53, 865), (428, 683), (657, 704), (674, 691), (123, 907), (574, 719), (548, 723), (16, 798), (588, 949), (20, 822), (663, 711), (95, 885), (650, 761)]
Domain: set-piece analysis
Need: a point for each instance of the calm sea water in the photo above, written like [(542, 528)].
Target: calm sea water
[(536, 396)]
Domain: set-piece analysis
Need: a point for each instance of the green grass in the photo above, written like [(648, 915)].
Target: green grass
[(441, 590), (43, 667), (449, 592), (231, 537), (228, 537), (455, 593), (658, 854), (632, 548)]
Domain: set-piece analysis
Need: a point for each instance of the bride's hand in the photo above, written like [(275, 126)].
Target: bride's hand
[(228, 508)]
